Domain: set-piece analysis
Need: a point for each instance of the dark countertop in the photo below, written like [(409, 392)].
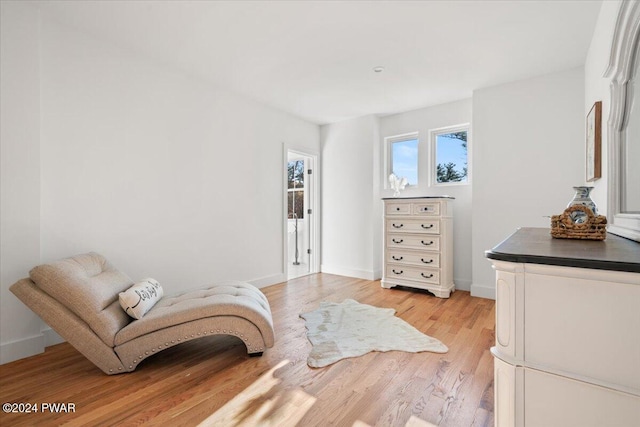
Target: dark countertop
[(419, 197), (536, 246)]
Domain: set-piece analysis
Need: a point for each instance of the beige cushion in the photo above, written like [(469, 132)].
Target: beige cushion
[(88, 285), (230, 298), (139, 298)]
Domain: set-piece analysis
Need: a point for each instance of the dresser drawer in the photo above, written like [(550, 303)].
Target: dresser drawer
[(425, 259), (413, 241), (426, 275), (426, 208), (428, 225), (397, 209)]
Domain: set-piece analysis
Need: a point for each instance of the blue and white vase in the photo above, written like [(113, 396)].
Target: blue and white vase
[(582, 198)]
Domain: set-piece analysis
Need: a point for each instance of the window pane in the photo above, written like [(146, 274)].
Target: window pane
[(404, 160), (295, 204), (295, 174), (295, 178), (451, 157)]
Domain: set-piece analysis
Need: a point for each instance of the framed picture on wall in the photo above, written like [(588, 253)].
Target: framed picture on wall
[(594, 142)]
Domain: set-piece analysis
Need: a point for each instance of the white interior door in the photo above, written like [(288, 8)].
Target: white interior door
[(300, 230)]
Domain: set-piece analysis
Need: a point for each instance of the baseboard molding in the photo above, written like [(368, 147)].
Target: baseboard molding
[(350, 272), (269, 280), (482, 291), (462, 285), (20, 349), (51, 337)]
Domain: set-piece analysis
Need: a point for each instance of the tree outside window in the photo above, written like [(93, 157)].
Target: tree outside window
[(295, 189), (451, 157)]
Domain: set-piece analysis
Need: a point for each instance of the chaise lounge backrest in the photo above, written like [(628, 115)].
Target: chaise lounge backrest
[(88, 285)]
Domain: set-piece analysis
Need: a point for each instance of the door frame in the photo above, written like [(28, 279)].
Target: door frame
[(314, 198)]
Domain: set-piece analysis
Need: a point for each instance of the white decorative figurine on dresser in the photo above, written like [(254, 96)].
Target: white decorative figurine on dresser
[(418, 244)]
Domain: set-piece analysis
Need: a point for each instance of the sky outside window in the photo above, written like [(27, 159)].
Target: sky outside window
[(404, 157), (452, 151)]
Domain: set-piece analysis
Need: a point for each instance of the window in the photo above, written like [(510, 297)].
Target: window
[(402, 157), (450, 155), (295, 188)]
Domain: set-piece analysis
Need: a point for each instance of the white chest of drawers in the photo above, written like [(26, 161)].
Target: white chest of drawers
[(418, 244), (567, 350)]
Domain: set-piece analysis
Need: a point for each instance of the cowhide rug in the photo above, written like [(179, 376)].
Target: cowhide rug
[(349, 329)]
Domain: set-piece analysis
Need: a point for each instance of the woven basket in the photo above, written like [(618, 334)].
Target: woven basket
[(563, 227)]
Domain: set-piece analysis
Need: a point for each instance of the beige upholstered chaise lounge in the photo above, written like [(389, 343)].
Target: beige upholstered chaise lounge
[(78, 298)]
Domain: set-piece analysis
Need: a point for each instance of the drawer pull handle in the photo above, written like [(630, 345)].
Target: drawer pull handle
[(398, 241), (397, 259), (426, 262), (425, 209), (397, 226), (427, 277), (426, 227), (426, 243), (397, 209), (397, 272)]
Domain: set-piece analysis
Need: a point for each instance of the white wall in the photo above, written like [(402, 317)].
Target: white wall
[(353, 186), (165, 175), (20, 180), (528, 151), (350, 212), (423, 121)]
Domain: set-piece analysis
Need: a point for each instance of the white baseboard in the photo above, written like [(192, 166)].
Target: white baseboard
[(20, 349), (51, 337), (29, 346), (269, 280), (462, 285), (483, 291), (350, 272)]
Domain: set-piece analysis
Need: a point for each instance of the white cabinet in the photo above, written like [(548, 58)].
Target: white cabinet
[(418, 244), (567, 349)]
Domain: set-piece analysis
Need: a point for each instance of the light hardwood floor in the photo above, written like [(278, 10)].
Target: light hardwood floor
[(212, 381)]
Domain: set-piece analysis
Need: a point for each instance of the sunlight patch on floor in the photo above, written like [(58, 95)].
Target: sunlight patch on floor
[(417, 422), (413, 422), (263, 403)]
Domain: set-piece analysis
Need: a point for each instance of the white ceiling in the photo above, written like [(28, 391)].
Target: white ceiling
[(315, 59)]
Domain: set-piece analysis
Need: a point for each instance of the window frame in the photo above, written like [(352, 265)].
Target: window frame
[(433, 162), (388, 142)]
